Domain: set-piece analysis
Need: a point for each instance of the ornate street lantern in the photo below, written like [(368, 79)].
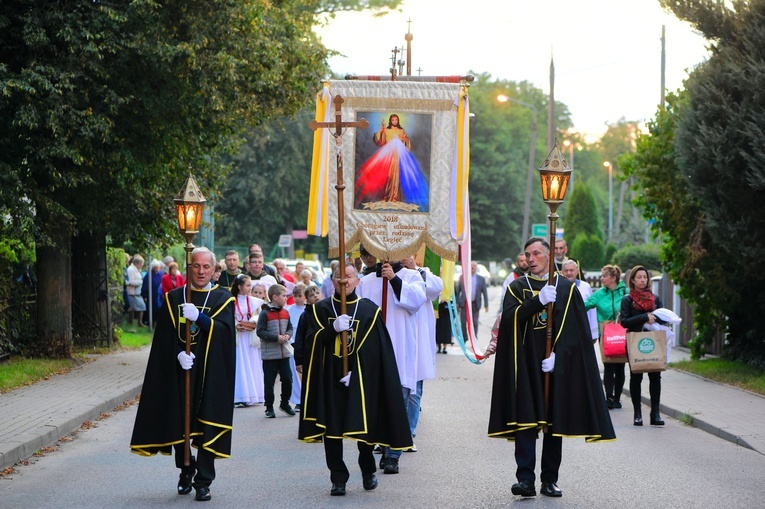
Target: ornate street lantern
[(189, 205), (554, 175)]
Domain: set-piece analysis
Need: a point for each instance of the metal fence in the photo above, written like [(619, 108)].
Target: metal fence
[(668, 293), (18, 322)]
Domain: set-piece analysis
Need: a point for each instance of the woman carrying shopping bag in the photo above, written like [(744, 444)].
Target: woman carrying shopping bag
[(637, 312), (608, 301)]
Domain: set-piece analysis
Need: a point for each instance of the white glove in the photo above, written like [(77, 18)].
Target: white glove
[(547, 295), (346, 379), (342, 323), (190, 312), (549, 363), (186, 361)]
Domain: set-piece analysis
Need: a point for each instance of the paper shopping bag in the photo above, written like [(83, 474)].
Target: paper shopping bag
[(620, 354), (647, 351)]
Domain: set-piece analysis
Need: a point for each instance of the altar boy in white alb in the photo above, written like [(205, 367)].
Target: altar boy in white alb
[(406, 295), (425, 354)]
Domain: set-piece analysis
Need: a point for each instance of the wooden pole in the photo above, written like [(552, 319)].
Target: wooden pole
[(187, 399), (338, 124), (553, 217), (384, 299), (340, 187)]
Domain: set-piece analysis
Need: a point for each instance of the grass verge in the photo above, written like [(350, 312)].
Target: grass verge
[(138, 339), (19, 371), (735, 373)]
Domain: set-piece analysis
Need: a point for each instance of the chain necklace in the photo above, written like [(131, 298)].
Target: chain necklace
[(349, 337), (194, 326)]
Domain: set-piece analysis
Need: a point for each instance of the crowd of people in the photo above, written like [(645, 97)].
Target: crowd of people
[(359, 373)]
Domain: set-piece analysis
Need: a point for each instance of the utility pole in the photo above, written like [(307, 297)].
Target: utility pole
[(663, 64)]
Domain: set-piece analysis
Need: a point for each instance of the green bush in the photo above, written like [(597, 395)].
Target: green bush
[(646, 255), (588, 249), (610, 251)]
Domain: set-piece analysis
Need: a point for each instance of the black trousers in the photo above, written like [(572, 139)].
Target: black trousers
[(526, 456), (654, 388), (204, 465), (333, 452), (270, 369), (613, 379)]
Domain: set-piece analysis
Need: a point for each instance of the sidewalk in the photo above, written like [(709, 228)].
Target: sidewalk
[(37, 416), (732, 414)]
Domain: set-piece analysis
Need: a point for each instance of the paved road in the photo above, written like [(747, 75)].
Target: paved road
[(456, 466)]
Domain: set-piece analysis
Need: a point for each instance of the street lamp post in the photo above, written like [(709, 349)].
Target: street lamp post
[(189, 205), (610, 167), (530, 176)]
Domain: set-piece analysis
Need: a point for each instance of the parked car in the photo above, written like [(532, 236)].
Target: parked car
[(481, 270), (314, 266)]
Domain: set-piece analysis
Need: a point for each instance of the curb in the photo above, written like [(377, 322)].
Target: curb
[(25, 446), (694, 422)]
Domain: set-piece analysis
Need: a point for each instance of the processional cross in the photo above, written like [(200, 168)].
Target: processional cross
[(338, 124)]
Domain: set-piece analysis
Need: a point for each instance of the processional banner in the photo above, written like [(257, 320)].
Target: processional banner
[(405, 176)]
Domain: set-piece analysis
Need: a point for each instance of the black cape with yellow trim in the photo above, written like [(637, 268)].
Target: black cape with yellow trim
[(577, 401), (371, 409), (159, 419)]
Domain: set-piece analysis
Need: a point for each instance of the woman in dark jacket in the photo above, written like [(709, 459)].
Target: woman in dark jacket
[(637, 311)]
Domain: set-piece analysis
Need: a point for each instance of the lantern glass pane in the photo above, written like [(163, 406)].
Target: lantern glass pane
[(191, 217), (181, 217), (555, 187), (545, 186), (564, 185)]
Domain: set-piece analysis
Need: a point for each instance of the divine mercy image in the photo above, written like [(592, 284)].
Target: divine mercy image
[(393, 162)]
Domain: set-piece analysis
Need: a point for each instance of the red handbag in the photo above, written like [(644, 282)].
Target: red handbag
[(614, 339)]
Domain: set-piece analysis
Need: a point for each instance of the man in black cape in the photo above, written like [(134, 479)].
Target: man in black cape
[(159, 421), (366, 406), (577, 406)]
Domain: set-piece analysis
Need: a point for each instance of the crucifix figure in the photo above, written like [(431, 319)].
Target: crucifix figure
[(393, 59), (338, 125)]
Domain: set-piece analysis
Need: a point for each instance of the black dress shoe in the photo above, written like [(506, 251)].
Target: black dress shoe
[(286, 408), (550, 489), (656, 419), (184, 483), (638, 420), (524, 489), (391, 466), (610, 403), (338, 489), (369, 481), (203, 494)]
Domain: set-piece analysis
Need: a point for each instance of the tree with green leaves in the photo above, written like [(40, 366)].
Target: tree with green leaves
[(107, 107), (701, 176), (500, 138), (267, 193), (582, 217), (588, 251)]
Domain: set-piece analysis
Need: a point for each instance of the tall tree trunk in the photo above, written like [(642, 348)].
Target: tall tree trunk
[(90, 291), (54, 295)]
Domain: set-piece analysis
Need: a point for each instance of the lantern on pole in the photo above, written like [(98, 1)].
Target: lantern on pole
[(554, 175), (189, 205)]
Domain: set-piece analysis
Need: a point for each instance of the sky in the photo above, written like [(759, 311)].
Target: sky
[(607, 53)]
